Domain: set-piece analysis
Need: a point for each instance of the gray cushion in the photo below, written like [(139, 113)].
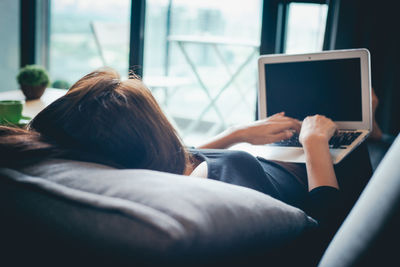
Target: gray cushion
[(142, 212)]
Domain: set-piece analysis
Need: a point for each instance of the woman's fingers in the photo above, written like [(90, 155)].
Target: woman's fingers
[(278, 114), (269, 130), (288, 124), (280, 136), (317, 126)]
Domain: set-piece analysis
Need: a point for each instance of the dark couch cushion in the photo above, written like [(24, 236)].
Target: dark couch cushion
[(141, 215)]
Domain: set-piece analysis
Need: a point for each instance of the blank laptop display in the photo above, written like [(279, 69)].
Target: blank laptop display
[(326, 87)]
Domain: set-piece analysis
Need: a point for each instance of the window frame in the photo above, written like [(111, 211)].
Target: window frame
[(274, 24), (28, 32), (137, 29)]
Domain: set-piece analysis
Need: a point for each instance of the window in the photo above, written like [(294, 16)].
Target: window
[(305, 27), (200, 62), (199, 56), (88, 34)]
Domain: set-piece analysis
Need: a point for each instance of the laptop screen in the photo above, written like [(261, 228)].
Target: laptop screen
[(327, 87)]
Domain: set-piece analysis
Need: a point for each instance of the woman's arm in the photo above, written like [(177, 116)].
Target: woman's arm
[(223, 140), (272, 129), (314, 136)]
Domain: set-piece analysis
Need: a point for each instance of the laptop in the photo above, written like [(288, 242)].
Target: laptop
[(334, 83)]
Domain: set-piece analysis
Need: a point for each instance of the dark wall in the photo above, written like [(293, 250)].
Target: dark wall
[(375, 25)]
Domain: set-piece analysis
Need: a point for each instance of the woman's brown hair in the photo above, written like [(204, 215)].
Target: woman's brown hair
[(102, 117)]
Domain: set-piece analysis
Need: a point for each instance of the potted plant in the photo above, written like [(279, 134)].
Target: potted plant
[(33, 80)]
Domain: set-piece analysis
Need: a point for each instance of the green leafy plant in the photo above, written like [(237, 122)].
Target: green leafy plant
[(33, 75), (60, 84)]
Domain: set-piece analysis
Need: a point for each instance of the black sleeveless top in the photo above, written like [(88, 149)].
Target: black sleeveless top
[(284, 181)]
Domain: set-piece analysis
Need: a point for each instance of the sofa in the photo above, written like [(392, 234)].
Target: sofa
[(64, 212)]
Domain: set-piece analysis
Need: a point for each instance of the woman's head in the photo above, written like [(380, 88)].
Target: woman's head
[(116, 120)]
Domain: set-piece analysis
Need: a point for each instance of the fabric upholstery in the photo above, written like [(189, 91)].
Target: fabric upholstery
[(141, 215)]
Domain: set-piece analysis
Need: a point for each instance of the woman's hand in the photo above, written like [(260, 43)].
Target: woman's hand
[(317, 128), (316, 131), (272, 129)]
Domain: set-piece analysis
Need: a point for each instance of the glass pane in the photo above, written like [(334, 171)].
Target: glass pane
[(88, 34), (305, 27), (200, 61)]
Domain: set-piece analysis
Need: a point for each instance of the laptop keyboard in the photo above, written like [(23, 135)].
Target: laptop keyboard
[(339, 140)]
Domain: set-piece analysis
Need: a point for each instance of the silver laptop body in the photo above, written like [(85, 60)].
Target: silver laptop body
[(335, 83)]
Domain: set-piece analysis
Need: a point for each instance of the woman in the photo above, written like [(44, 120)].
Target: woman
[(119, 123)]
